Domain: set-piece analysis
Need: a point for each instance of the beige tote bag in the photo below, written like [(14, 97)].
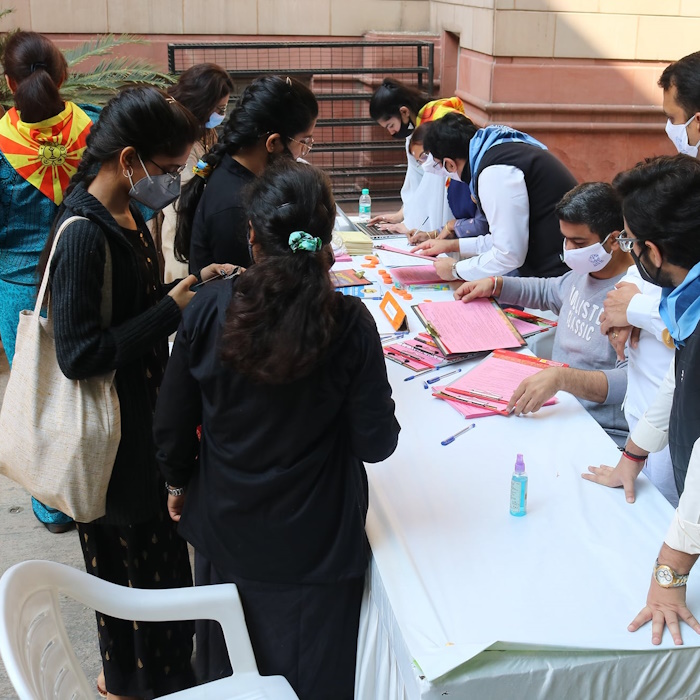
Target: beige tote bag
[(59, 436)]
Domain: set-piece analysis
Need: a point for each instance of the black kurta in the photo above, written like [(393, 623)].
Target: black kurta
[(276, 501), (220, 225)]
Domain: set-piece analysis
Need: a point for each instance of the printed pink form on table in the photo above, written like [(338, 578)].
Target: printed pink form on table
[(465, 409), (473, 327), (417, 275), (500, 374)]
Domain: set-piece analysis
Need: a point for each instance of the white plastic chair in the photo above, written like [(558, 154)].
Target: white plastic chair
[(39, 657)]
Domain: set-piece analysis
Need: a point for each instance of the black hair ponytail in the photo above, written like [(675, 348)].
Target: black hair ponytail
[(268, 105), (38, 68), (391, 95), (281, 319)]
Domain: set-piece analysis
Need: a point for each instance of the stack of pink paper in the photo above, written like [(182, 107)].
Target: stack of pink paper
[(487, 389)]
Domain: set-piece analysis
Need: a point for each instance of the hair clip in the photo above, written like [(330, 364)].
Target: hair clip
[(300, 240), (170, 100), (34, 66), (288, 80), (202, 169)]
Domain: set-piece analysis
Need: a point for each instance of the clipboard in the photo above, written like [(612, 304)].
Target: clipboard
[(479, 326), (489, 386), (394, 313)]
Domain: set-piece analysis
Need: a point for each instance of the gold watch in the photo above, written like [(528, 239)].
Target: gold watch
[(666, 577)]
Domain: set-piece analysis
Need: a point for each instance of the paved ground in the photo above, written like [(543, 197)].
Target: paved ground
[(23, 537)]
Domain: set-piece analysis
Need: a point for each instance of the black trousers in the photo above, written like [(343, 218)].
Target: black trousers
[(304, 632), (145, 659)]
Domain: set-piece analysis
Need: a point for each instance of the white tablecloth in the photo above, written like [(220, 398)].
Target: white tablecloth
[(466, 599)]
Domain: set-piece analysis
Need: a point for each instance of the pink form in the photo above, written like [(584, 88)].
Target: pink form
[(417, 275), (525, 327), (498, 377), (472, 327), (465, 409)]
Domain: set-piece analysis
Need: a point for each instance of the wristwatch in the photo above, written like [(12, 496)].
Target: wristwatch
[(666, 577), (453, 270)]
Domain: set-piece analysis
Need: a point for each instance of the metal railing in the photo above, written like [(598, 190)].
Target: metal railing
[(350, 146)]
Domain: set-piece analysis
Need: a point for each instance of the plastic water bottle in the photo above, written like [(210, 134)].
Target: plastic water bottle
[(518, 489), (365, 206)]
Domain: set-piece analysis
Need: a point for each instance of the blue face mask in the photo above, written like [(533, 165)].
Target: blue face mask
[(214, 120)]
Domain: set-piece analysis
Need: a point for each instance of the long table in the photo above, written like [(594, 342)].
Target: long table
[(465, 600)]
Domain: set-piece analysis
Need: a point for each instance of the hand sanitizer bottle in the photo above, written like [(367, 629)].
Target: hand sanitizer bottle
[(518, 488)]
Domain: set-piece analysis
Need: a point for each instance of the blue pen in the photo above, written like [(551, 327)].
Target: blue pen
[(452, 438), (425, 371), (428, 382)]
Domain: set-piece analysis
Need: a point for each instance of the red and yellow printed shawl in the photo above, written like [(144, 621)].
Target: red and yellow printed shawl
[(437, 109), (46, 154)]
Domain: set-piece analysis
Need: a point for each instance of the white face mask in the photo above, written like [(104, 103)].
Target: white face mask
[(678, 133), (435, 167), (586, 260), (214, 120)]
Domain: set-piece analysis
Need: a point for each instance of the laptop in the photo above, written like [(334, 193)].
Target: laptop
[(343, 223)]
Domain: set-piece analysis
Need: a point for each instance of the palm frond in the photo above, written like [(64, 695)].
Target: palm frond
[(99, 46), (3, 13), (109, 76), (104, 80)]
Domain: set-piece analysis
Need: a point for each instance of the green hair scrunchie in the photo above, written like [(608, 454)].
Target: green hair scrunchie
[(300, 240)]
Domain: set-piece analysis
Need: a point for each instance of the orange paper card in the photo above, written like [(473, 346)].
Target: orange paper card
[(393, 311)]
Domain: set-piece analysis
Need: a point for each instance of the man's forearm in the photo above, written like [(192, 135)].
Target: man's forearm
[(587, 384), (680, 562)]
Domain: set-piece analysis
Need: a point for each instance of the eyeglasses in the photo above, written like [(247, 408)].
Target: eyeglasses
[(306, 144), (173, 173), (625, 242), (422, 157)]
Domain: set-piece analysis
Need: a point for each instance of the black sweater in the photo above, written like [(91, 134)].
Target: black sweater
[(139, 328), (684, 423), (220, 225), (279, 492), (547, 180)]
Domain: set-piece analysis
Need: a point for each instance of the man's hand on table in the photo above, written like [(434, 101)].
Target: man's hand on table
[(667, 606), (443, 268), (478, 289), (623, 475), (534, 391)]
